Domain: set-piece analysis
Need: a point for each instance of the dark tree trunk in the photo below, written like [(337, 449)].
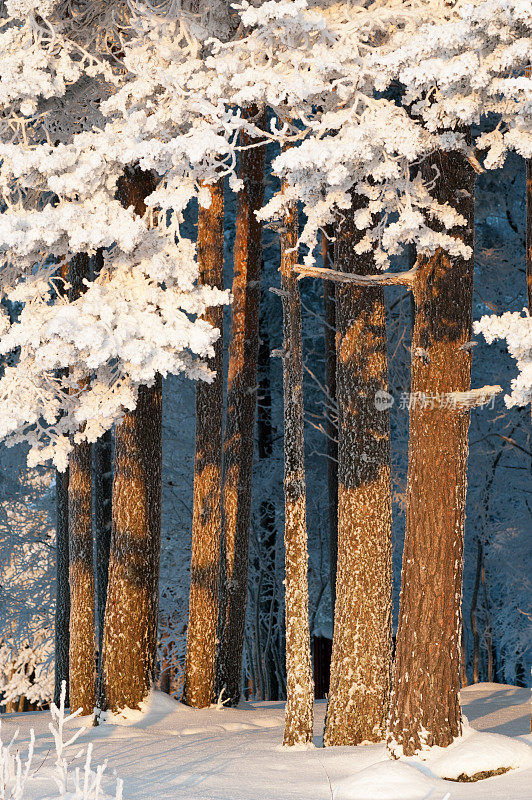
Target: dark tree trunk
[(361, 655), (300, 686), (329, 304), (425, 701), (529, 248), (82, 675), (130, 627), (240, 420), (62, 607), (207, 505), (268, 607), (103, 499), (473, 615), (529, 232)]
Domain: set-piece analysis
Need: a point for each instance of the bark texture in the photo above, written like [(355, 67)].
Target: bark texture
[(207, 504), (130, 630), (240, 420), (130, 627), (103, 498), (82, 667), (62, 606), (361, 657), (299, 684), (329, 308), (425, 702)]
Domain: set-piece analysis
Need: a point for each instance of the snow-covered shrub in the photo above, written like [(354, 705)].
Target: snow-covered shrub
[(16, 774)]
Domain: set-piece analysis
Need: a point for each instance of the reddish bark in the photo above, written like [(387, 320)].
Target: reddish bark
[(130, 627), (207, 504), (240, 420), (361, 656), (425, 700), (82, 669)]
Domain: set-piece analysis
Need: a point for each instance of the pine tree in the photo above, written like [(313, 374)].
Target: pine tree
[(130, 628), (299, 684), (361, 655), (240, 418), (425, 707), (82, 676), (207, 504)]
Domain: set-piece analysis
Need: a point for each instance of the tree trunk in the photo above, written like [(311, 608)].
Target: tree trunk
[(130, 627), (300, 686), (329, 307), (473, 615), (529, 249), (82, 675), (207, 505), (425, 701), (130, 630), (361, 656), (62, 604), (268, 606), (103, 498), (240, 420)]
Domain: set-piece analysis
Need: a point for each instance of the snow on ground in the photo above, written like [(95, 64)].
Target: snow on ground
[(172, 752)]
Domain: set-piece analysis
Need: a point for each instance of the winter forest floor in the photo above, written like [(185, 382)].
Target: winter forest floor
[(172, 752)]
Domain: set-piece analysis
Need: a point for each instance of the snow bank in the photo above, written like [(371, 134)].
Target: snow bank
[(387, 780), (482, 752)]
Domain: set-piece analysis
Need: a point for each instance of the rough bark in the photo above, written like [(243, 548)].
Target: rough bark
[(240, 420), (130, 627), (130, 630), (82, 674), (103, 494), (62, 604), (425, 700), (329, 307), (299, 685), (361, 656), (207, 503)]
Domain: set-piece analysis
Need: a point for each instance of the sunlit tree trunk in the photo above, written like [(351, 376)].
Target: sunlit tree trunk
[(207, 504), (240, 419), (82, 667), (130, 628), (425, 700), (299, 684), (361, 656)]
